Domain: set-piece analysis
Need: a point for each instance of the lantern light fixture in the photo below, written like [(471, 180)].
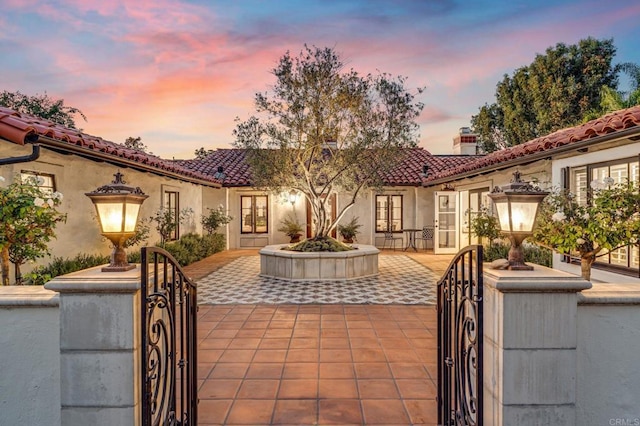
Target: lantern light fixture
[(293, 197), (517, 206), (118, 207)]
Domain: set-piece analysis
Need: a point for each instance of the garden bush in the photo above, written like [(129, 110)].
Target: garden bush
[(188, 249), (532, 253)]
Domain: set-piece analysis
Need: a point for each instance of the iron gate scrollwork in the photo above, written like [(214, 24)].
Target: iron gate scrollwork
[(168, 335), (460, 340)]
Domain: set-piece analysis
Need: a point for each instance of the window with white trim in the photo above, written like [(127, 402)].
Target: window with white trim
[(388, 213)]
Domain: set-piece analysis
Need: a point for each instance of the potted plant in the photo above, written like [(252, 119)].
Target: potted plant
[(290, 226), (350, 230)]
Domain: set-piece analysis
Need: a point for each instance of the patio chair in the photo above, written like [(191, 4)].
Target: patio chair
[(427, 235), (392, 238)]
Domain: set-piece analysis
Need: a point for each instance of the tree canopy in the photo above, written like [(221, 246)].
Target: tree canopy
[(555, 91), (323, 128), (136, 143), (42, 106)]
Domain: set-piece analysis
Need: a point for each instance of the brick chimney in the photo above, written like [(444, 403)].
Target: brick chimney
[(465, 142)]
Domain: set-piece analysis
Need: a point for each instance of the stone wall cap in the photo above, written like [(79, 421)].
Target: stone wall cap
[(540, 280), (611, 294), (93, 280), (28, 296)]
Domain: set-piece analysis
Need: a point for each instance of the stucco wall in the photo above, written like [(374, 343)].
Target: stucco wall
[(608, 379), (74, 176), (30, 354)]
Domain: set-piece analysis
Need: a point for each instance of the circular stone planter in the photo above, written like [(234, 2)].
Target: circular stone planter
[(303, 266)]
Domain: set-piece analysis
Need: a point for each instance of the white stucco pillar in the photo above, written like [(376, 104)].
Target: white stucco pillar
[(530, 345), (99, 347)]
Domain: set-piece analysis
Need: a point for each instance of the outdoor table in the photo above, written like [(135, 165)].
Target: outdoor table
[(411, 238)]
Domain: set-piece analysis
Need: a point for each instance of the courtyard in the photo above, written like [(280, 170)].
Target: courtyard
[(356, 356)]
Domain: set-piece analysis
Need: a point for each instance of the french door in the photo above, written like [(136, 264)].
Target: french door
[(445, 239)]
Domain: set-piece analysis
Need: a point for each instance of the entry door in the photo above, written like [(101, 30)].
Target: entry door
[(445, 239)]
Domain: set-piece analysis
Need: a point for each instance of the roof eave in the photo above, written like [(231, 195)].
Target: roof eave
[(47, 142), (527, 159)]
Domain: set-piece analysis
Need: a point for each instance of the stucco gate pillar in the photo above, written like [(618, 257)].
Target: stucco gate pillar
[(530, 340), (99, 347)]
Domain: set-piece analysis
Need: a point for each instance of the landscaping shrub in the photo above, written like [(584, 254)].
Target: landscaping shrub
[(188, 249)]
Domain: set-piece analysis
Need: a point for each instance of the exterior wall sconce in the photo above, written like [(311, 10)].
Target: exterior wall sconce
[(517, 205), (293, 197), (118, 207)]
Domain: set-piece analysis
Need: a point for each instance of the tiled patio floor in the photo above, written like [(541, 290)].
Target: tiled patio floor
[(317, 364), (313, 364)]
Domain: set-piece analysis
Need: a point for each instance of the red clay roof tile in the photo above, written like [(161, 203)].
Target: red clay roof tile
[(17, 128)]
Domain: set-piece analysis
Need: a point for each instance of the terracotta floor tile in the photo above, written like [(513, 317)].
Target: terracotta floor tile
[(237, 355), (326, 316), (427, 354), (265, 371), (277, 332), (214, 344), (419, 333), (259, 316), (233, 317), (389, 332), (364, 342), (229, 371), (239, 343), (409, 371), (335, 355), (219, 389), (333, 324), (339, 412), (298, 389), (249, 333), (424, 343), (362, 332), (304, 342), (336, 370), (334, 332), (209, 355), (381, 411), (274, 344), (251, 412), (259, 389), (416, 388), (204, 368), (303, 355), (302, 316), (296, 412), (401, 355), (306, 332), (372, 370), (368, 355), (270, 355), (337, 388), (279, 323), (359, 324), (334, 343), (300, 370), (408, 325), (395, 343), (386, 325), (377, 389), (213, 411), (422, 411), (230, 325)]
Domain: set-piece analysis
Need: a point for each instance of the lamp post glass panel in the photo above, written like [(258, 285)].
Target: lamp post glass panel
[(517, 206), (117, 206)]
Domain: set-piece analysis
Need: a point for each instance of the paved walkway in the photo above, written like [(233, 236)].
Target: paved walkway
[(324, 364)]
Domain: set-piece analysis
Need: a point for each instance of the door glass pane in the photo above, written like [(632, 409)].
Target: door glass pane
[(634, 171), (396, 213), (579, 186), (247, 218), (261, 214), (382, 208)]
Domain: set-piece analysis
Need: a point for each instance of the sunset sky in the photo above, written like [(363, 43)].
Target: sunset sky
[(177, 73)]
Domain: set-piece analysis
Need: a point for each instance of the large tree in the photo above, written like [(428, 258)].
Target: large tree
[(323, 129), (42, 106), (555, 91), (614, 100)]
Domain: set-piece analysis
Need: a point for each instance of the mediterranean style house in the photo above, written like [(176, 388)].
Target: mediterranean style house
[(437, 194)]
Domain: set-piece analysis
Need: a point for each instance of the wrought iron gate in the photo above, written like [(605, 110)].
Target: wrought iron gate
[(168, 334), (460, 340)]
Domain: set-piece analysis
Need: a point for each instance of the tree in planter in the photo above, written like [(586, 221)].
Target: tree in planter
[(28, 217), (215, 219), (609, 222), (323, 129)]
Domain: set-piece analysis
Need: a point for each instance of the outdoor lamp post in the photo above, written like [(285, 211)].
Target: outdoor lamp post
[(517, 205), (118, 206)]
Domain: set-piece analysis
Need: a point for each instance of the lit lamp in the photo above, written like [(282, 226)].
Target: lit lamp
[(117, 206), (293, 196), (517, 205)]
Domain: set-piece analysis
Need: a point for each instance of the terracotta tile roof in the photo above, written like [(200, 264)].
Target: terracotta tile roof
[(21, 128), (607, 124), (407, 173)]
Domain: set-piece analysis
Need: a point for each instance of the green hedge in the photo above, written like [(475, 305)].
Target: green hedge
[(532, 253), (188, 249)]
